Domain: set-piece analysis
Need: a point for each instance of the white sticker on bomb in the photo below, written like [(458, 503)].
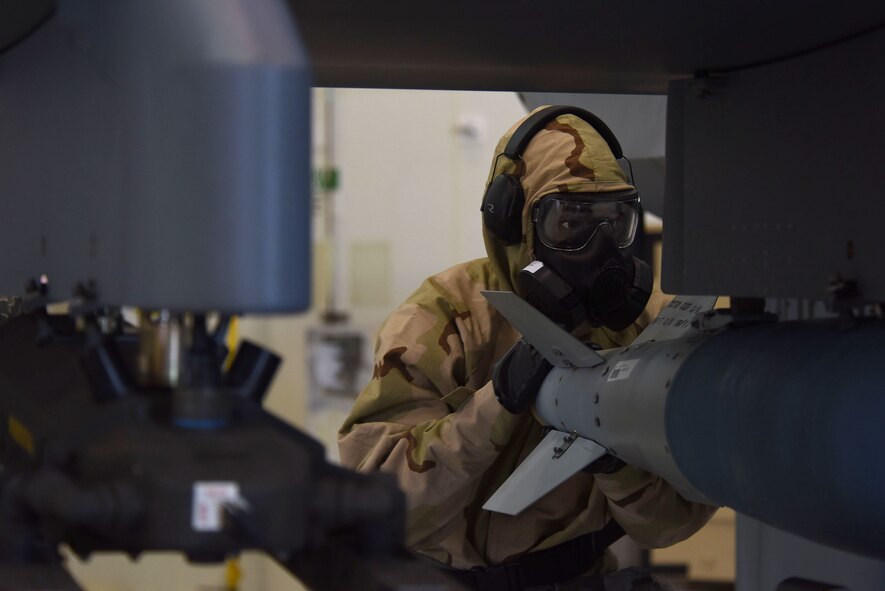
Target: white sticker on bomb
[(622, 370)]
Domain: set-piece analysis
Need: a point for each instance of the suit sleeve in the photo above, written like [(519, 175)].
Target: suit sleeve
[(418, 420), (649, 509)]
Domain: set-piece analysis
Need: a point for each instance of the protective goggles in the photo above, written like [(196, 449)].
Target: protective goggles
[(569, 221)]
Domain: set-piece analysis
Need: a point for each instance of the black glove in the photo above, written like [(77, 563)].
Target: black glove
[(518, 377), (607, 464)]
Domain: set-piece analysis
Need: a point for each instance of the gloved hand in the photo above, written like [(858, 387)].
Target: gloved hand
[(518, 377)]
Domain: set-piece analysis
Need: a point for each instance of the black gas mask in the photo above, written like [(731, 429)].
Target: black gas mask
[(585, 270)]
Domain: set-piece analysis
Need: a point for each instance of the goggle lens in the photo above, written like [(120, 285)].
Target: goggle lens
[(570, 223)]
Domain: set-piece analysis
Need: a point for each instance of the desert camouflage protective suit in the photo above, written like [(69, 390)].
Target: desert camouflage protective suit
[(429, 414)]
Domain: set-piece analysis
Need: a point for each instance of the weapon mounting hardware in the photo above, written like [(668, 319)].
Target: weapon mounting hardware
[(566, 443)]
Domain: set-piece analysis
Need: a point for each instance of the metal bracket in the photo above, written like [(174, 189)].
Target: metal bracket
[(566, 443)]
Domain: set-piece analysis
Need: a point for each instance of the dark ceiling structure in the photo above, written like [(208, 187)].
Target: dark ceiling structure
[(565, 46)]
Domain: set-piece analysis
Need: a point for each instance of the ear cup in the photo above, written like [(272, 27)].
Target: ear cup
[(502, 208)]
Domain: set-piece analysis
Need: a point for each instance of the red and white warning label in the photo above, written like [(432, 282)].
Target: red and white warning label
[(209, 501)]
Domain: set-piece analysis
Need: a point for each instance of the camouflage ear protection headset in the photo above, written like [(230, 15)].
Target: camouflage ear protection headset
[(504, 199)]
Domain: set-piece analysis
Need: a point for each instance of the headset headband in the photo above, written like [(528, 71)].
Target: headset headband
[(525, 132)]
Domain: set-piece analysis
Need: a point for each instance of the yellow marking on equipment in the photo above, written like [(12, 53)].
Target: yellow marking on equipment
[(232, 573), (232, 340), (20, 434)]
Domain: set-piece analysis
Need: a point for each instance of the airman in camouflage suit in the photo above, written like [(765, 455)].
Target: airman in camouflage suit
[(430, 415)]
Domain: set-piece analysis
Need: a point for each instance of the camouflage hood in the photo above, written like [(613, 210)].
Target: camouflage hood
[(567, 156)]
